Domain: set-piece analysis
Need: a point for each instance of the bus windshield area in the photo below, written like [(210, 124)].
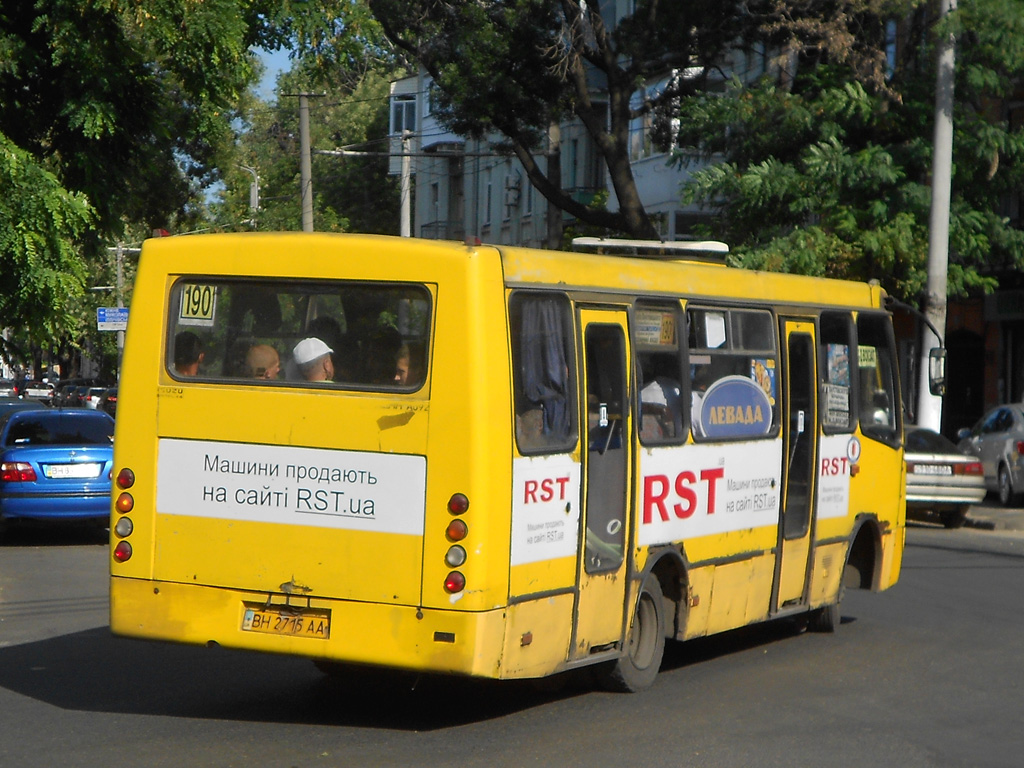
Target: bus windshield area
[(300, 333)]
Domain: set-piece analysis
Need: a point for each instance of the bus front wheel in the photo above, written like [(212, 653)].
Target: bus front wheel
[(645, 644)]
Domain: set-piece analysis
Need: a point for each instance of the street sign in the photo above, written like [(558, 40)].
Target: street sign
[(111, 318)]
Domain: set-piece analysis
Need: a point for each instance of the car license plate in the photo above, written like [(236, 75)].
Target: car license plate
[(72, 470), (274, 620), (933, 469)]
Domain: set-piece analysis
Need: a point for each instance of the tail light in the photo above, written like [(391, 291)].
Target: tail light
[(1020, 447), (17, 472), (457, 530), (970, 468), (124, 504), (455, 582)]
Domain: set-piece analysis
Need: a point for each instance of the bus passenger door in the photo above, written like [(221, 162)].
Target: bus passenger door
[(800, 440), (601, 595)]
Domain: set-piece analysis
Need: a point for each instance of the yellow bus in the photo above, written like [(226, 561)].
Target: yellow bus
[(494, 461)]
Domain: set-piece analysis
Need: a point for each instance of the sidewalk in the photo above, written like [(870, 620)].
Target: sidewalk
[(990, 515)]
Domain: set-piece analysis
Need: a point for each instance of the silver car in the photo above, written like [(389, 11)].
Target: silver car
[(941, 480), (998, 440)]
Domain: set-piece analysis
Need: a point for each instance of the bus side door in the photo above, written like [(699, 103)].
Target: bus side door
[(601, 595), (800, 440)]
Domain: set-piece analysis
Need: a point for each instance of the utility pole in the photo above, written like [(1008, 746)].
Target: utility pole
[(305, 164), (254, 193), (929, 407), (406, 224)]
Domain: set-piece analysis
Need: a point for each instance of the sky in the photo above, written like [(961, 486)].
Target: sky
[(275, 62)]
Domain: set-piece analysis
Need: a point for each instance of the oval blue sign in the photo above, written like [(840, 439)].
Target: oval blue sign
[(735, 406)]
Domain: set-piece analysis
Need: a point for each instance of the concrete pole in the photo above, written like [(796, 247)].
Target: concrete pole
[(305, 164), (929, 408), (120, 303), (406, 200)]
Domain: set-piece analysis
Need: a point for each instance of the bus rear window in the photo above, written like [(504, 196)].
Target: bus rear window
[(340, 334)]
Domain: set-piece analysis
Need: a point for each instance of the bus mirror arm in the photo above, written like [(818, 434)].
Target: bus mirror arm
[(937, 371), (936, 355)]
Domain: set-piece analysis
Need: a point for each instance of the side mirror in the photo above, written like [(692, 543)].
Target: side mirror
[(937, 371), (963, 433)]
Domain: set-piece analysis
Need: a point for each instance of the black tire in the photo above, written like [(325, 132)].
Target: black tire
[(1008, 497), (638, 666), (954, 518)]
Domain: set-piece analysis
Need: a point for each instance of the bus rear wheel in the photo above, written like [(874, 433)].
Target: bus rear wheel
[(645, 644)]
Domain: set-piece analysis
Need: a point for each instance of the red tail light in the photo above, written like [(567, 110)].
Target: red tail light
[(17, 472), (971, 468), (455, 582), (1020, 447)]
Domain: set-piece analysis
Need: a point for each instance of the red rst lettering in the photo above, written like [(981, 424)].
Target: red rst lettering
[(712, 476), (685, 493), (530, 495), (654, 498)]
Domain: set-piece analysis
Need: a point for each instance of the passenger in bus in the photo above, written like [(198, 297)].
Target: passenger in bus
[(313, 358), (379, 363), (328, 330), (701, 377), (188, 354), (409, 365), (660, 409), (262, 362)]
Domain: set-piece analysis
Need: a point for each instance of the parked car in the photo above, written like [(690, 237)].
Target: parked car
[(8, 388), (92, 397), (55, 465), (37, 390), (63, 396), (942, 480), (8, 404), (108, 403), (77, 395), (998, 441)]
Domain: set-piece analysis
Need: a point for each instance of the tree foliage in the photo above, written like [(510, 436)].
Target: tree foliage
[(822, 173), (518, 66), (128, 114), (351, 193), (40, 271)]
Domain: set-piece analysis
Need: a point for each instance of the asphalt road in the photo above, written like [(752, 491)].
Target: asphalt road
[(927, 674)]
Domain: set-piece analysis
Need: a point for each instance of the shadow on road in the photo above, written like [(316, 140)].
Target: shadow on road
[(95, 671), (38, 534)]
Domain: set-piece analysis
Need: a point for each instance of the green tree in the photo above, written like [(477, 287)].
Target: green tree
[(40, 270), (350, 193), (826, 170), (516, 67)]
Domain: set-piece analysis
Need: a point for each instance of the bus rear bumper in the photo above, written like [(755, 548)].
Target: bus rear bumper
[(399, 636)]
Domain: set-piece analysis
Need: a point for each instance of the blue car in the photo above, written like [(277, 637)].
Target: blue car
[(55, 464)]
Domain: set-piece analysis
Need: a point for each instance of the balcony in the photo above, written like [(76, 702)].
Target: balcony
[(443, 230)]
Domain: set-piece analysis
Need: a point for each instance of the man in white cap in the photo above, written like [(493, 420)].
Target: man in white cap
[(313, 357)]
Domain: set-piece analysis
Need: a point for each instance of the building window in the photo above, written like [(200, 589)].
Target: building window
[(403, 114)]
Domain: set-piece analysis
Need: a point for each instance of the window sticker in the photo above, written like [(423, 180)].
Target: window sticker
[(762, 371), (656, 328), (198, 305)]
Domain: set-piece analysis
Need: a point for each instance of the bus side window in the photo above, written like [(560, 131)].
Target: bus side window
[(660, 366), (727, 346), (542, 359), (876, 375), (834, 361)]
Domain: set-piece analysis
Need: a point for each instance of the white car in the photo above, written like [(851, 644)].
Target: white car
[(998, 442), (942, 480)]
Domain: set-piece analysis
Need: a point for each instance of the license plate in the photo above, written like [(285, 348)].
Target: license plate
[(289, 622), (933, 469), (71, 470)]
